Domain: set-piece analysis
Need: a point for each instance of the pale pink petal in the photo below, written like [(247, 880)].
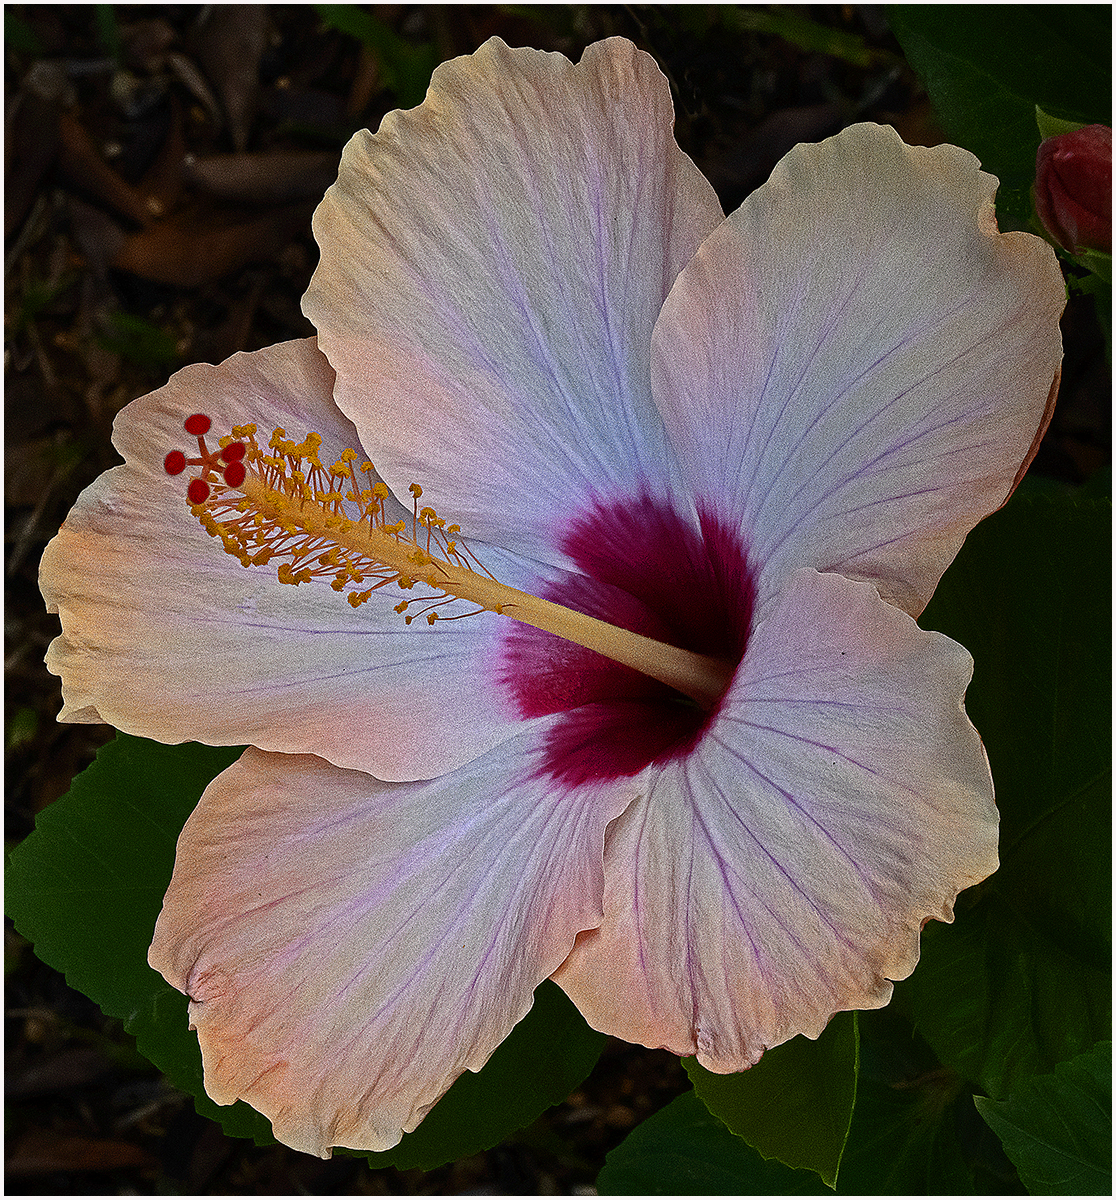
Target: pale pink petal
[(351, 947), (782, 871), (493, 263), (857, 363), (166, 636)]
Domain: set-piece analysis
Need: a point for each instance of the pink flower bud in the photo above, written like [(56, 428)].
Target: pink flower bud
[(1073, 188)]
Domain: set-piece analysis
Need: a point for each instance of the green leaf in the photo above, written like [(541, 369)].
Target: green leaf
[(1049, 126), (904, 1138), (683, 1150), (1057, 1129), (20, 37), (1000, 1003), (1022, 981), (796, 1103), (547, 1055), (986, 67), (792, 26), (406, 68), (1097, 261), (914, 1132), (87, 886), (139, 341)]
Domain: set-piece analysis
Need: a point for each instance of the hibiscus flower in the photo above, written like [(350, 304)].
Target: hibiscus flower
[(758, 440)]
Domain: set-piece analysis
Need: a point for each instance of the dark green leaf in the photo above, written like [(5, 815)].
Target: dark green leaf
[(1000, 1003), (796, 1103), (406, 68), (986, 67), (914, 1132), (139, 341), (904, 1138), (792, 26), (20, 37), (683, 1150), (88, 884), (1022, 981), (547, 1055), (86, 888), (1057, 1128)]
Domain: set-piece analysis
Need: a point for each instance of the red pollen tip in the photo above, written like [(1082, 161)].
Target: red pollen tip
[(197, 425), (234, 474), (174, 463), (233, 452), (198, 491)]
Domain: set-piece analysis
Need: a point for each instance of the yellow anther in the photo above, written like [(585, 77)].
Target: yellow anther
[(316, 523), (288, 575)]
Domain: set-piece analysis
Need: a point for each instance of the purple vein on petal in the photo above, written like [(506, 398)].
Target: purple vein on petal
[(796, 805)]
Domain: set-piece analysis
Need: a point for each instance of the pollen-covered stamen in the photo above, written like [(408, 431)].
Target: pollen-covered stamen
[(331, 523)]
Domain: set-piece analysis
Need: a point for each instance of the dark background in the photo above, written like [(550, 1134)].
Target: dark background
[(132, 249)]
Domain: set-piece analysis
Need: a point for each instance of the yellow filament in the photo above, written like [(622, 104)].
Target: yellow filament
[(289, 506)]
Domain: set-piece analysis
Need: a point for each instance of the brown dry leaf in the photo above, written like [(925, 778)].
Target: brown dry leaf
[(751, 161), (31, 137), (193, 80), (78, 158), (98, 237), (69, 1068), (230, 40), (189, 249), (42, 1152), (265, 178), (146, 42), (162, 181)]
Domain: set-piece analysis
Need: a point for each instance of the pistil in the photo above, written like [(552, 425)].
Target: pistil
[(329, 522)]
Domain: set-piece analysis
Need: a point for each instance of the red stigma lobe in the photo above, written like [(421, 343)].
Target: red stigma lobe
[(227, 463), (234, 473), (198, 491)]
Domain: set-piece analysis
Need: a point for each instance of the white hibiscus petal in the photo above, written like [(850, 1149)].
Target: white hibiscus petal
[(493, 263), (166, 636), (857, 362), (782, 872), (351, 947)]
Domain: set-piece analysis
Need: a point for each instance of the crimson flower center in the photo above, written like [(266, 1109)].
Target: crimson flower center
[(649, 570)]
